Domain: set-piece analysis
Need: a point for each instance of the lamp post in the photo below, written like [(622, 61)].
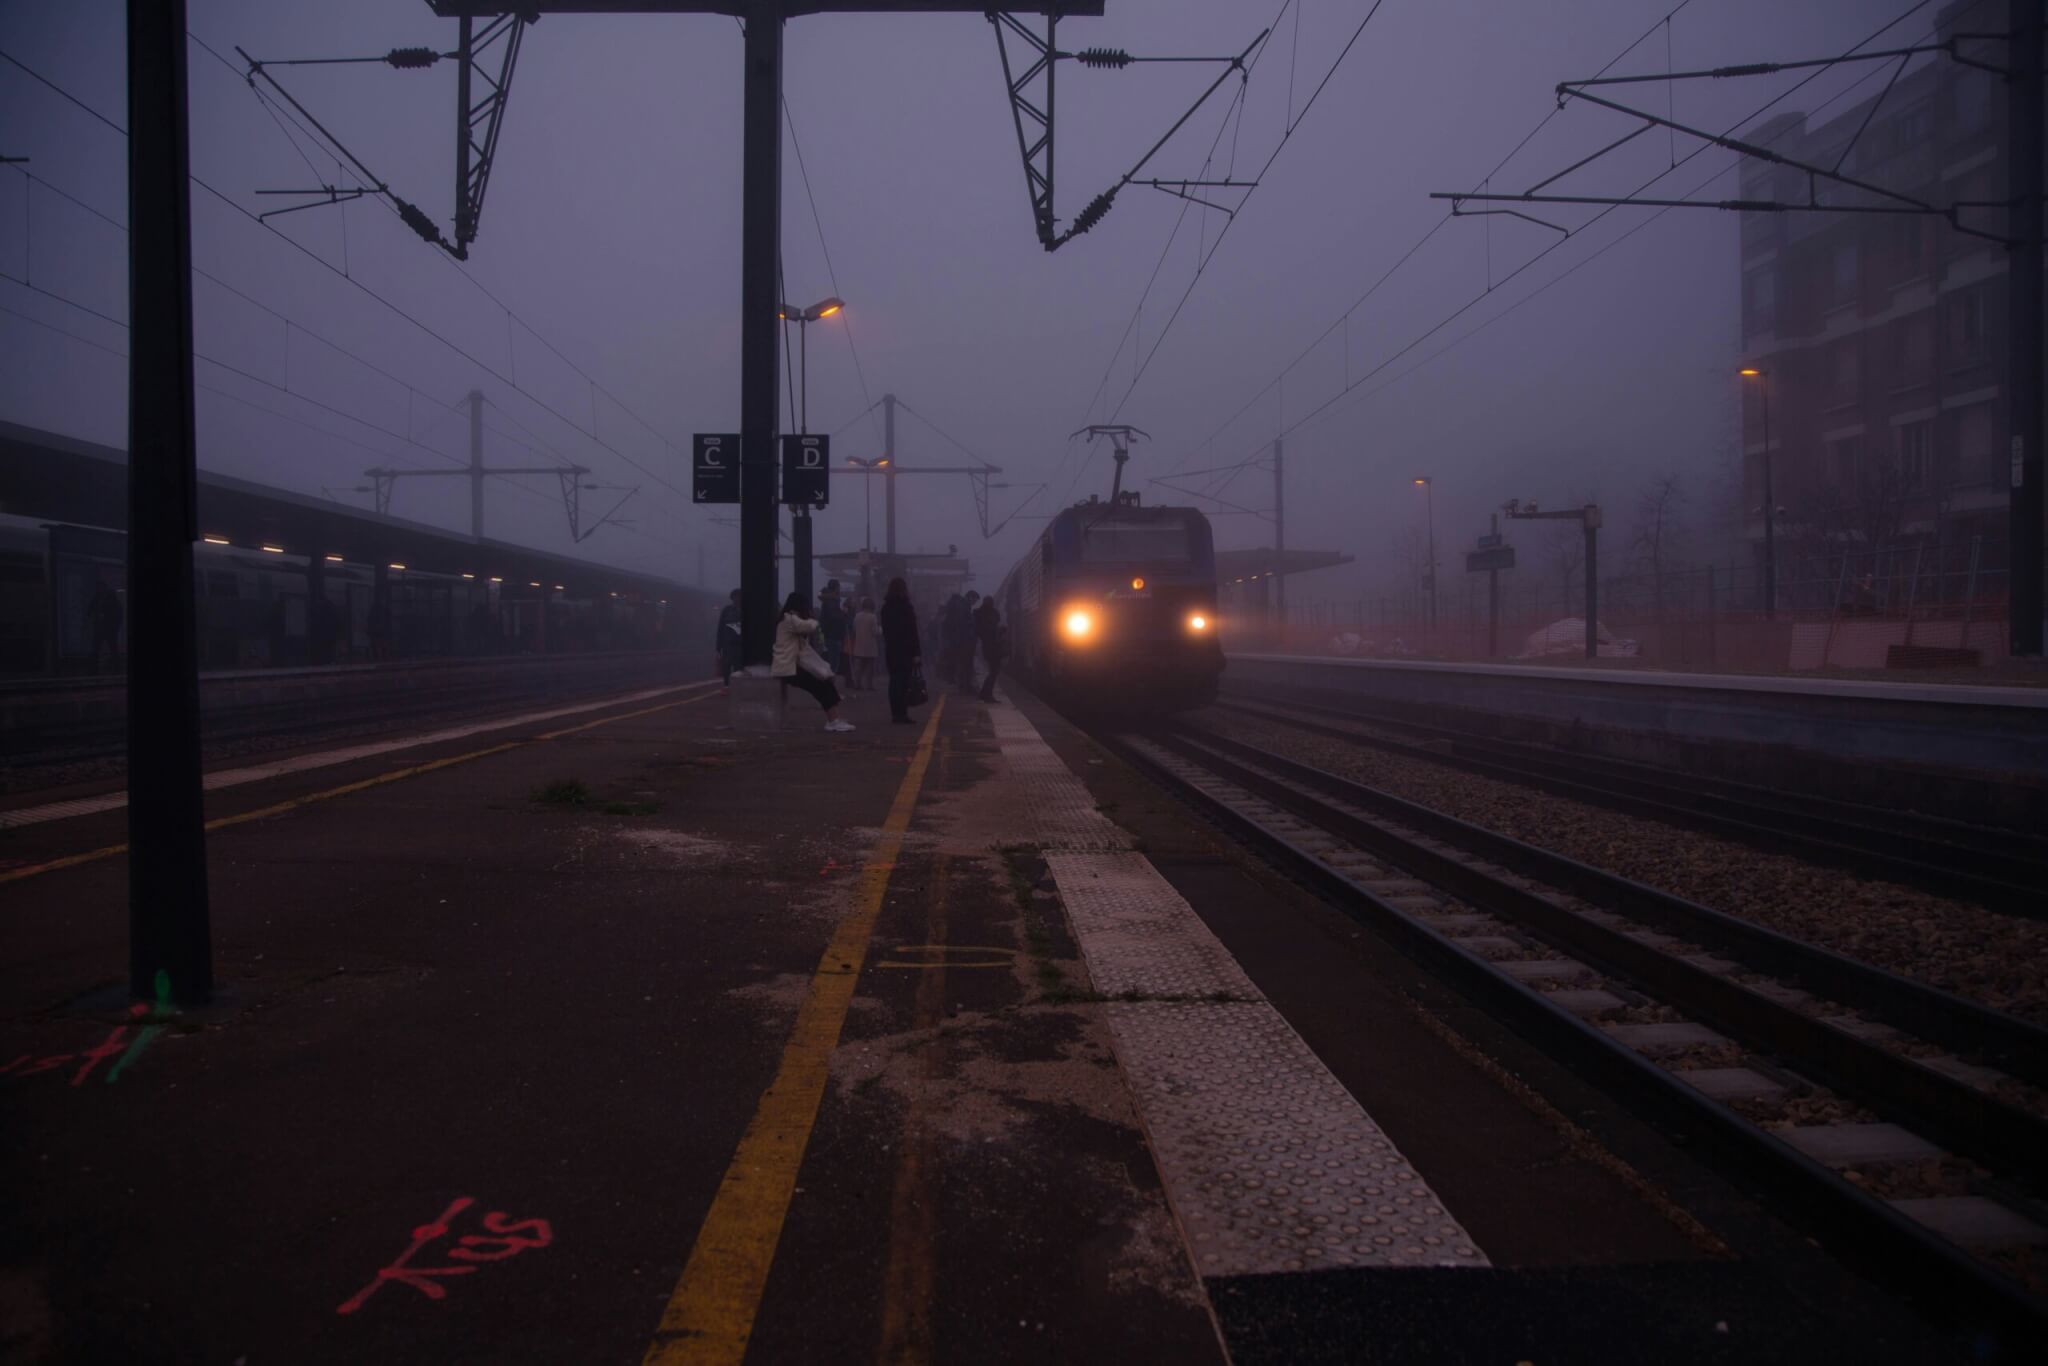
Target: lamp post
[(1428, 488), (1763, 380), (800, 519), (880, 462), (803, 318)]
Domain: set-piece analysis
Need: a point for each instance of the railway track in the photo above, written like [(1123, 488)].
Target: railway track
[(51, 728), (1906, 1127), (2003, 870)]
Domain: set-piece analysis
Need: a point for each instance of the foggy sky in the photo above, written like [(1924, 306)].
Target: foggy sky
[(612, 229)]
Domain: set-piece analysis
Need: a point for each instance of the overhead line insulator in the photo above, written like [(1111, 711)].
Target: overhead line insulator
[(405, 58), (1103, 57), (417, 220)]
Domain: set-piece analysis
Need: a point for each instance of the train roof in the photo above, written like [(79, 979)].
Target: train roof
[(57, 478)]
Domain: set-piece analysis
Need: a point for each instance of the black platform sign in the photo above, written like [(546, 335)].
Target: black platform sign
[(1489, 557), (806, 470), (715, 467)]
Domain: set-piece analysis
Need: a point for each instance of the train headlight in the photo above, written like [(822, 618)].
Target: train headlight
[(1078, 623), (1198, 623)]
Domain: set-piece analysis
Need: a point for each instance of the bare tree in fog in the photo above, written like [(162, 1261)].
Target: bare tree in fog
[(1660, 533)]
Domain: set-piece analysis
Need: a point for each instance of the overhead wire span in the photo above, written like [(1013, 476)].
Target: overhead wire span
[(511, 315), (825, 250), (1750, 118)]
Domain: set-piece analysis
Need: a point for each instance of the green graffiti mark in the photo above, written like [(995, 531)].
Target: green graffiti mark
[(163, 1011)]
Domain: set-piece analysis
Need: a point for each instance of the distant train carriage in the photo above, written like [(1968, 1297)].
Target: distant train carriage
[(1116, 604)]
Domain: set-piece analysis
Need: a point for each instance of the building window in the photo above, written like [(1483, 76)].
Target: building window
[(1972, 94), (1846, 373), (1915, 236), (1915, 453), (1842, 274), (1916, 128), (1913, 351), (1844, 462), (1966, 328), (1760, 299), (1973, 441)]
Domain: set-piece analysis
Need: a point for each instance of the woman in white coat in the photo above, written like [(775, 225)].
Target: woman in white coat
[(798, 665)]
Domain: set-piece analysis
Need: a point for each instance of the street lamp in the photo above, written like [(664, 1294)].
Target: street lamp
[(800, 518), (1428, 488), (1763, 380), (880, 462), (803, 318)]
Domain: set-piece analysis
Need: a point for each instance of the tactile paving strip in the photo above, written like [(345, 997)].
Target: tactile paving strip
[(1270, 1163), (1132, 927), (1057, 809)]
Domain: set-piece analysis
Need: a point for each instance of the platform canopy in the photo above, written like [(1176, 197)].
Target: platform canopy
[(1240, 566)]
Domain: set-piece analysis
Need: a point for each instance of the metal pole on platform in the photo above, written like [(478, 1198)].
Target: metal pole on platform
[(2025, 344), (1280, 525), (169, 936), (1590, 520), (476, 463), (760, 239), (889, 480)]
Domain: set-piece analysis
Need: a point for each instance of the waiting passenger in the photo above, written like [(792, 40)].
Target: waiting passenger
[(727, 638), (798, 665), (994, 638), (901, 650), (105, 612), (833, 620), (960, 645), (867, 643)]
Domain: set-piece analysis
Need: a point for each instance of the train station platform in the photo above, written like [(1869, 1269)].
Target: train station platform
[(610, 1033)]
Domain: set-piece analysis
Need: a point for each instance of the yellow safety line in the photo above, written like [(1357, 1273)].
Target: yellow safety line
[(710, 1316), (293, 804)]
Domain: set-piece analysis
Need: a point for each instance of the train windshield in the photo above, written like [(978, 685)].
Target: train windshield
[(1119, 542)]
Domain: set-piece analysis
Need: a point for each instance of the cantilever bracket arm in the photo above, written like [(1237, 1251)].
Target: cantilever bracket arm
[(480, 99), (1030, 84)]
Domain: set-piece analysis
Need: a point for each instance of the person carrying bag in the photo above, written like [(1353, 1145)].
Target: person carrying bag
[(902, 653)]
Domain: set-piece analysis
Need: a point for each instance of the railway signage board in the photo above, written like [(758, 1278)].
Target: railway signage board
[(715, 467), (1490, 558), (806, 470)]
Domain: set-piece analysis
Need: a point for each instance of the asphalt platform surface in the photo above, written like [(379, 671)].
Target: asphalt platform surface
[(510, 1056)]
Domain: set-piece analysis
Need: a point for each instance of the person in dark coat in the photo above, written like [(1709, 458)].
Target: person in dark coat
[(994, 638), (727, 640), (902, 652), (105, 613)]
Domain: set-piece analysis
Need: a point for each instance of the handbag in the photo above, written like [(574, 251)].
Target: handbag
[(915, 693), (811, 663)]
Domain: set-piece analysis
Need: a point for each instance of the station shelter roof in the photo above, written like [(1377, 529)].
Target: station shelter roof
[(58, 478), (1261, 562)]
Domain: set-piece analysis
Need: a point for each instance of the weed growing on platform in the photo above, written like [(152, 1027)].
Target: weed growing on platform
[(631, 808), (562, 792)]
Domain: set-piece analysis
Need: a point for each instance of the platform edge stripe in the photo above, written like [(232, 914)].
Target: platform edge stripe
[(709, 1318), (1184, 1145), (362, 784), (327, 758)]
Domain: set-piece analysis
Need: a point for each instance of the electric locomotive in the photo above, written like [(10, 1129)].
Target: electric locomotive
[(1115, 604)]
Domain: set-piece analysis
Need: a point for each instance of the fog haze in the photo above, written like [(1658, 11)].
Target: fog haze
[(611, 233)]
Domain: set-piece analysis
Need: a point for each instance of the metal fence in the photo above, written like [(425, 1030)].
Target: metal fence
[(1843, 607)]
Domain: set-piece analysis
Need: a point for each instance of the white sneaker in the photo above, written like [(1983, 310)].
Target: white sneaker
[(838, 725)]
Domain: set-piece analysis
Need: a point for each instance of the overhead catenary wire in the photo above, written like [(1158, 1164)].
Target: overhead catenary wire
[(511, 315), (831, 275), (1291, 428), (286, 320), (1437, 226)]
